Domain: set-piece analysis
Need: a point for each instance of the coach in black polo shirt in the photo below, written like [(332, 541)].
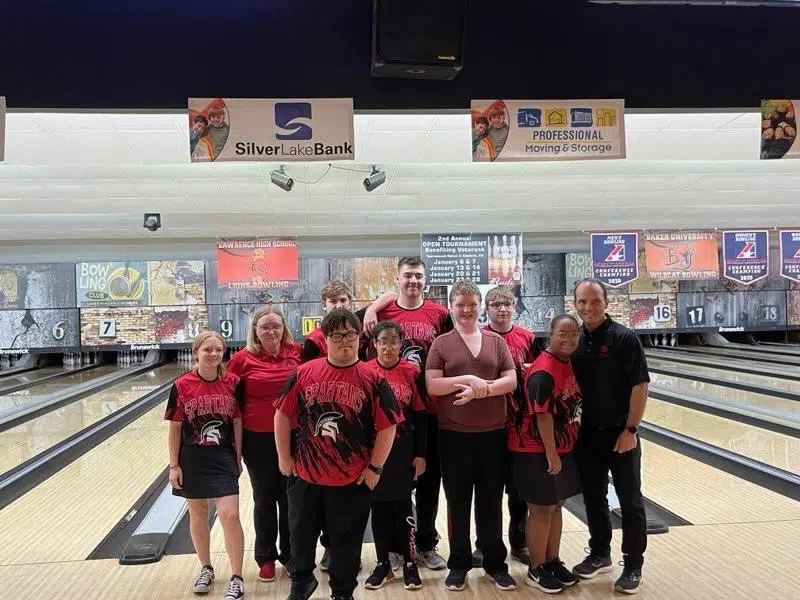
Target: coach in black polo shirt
[(611, 370)]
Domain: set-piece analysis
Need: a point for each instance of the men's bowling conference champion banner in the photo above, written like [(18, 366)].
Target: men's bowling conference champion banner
[(2, 127), (236, 129)]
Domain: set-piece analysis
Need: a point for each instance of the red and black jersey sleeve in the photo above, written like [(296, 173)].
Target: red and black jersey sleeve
[(540, 386), (174, 410), (385, 410), (287, 398), (314, 346)]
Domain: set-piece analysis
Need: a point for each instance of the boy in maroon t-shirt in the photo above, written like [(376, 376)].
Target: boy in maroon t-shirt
[(346, 417)]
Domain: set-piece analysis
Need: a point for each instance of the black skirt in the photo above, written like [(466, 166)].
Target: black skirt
[(208, 472), (398, 472), (533, 484)]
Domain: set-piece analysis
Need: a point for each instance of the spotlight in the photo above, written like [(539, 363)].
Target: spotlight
[(281, 179), (375, 180), (152, 221)]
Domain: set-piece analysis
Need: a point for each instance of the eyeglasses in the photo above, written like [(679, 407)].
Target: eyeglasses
[(567, 336), (393, 342), (500, 305), (271, 328), (338, 338)]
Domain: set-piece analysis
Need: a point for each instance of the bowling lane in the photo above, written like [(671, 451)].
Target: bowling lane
[(688, 370), (722, 393), (66, 516), (29, 376), (25, 441), (772, 448), (36, 393), (755, 355)]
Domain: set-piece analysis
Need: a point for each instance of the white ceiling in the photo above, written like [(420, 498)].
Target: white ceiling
[(89, 175)]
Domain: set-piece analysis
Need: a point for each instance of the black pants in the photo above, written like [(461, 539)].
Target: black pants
[(345, 511), (475, 461), (427, 494), (393, 529), (517, 519), (595, 456), (270, 513)]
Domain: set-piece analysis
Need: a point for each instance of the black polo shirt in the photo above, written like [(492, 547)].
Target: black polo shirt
[(608, 363)]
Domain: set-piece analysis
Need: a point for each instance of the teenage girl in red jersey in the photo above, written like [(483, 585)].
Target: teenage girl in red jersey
[(205, 454)]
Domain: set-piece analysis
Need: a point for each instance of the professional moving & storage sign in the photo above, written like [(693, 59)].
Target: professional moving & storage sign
[(518, 130), (682, 254), (237, 129), (779, 129), (257, 263), (745, 256)]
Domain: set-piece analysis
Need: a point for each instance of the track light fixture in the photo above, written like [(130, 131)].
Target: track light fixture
[(280, 178), (376, 179)]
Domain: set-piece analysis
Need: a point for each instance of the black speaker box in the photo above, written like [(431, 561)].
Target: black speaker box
[(418, 39)]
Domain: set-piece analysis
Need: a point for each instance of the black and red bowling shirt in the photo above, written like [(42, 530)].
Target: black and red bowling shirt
[(522, 345), (315, 345), (408, 384), (263, 377), (550, 387), (421, 326), (338, 411), (206, 408)]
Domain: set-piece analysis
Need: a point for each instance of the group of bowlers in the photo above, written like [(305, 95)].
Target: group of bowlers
[(407, 397)]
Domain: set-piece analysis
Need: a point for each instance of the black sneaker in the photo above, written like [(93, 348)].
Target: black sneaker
[(560, 572), (503, 581), (380, 576), (522, 555), (303, 591), (540, 578), (629, 581), (477, 559), (411, 578), (202, 584), (341, 598), (590, 566), (325, 563), (235, 589), (456, 580)]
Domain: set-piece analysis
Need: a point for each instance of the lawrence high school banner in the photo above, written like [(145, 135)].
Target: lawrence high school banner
[(257, 263), (682, 254), (233, 129), (779, 129), (745, 256), (2, 127), (517, 130)]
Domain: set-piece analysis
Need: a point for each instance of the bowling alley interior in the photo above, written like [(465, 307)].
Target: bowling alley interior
[(177, 168)]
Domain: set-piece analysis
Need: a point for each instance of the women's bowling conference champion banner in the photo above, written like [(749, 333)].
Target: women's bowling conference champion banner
[(485, 258), (237, 129), (615, 258), (745, 256), (779, 129), (518, 130), (790, 254), (257, 263), (682, 254)]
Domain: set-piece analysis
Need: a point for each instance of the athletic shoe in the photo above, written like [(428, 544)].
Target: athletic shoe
[(303, 591), (380, 576), (540, 578), (477, 559), (560, 572), (431, 559), (235, 589), (629, 581), (202, 584), (590, 566), (325, 563), (503, 581), (522, 555), (411, 578), (456, 580), (396, 560), (267, 571)]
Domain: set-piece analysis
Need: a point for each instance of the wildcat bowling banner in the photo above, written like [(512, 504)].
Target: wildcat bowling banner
[(257, 263), (682, 254), (745, 256), (615, 258), (779, 129), (519, 130), (238, 129), (790, 254)]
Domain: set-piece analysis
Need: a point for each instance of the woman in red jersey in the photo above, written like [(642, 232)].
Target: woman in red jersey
[(541, 442), (265, 364), (393, 525), (205, 450)]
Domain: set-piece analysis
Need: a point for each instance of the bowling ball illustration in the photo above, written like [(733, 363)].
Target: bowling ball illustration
[(719, 318)]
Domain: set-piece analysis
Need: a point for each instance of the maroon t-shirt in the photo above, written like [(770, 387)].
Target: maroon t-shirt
[(521, 344), (263, 377), (206, 408), (550, 387), (338, 411)]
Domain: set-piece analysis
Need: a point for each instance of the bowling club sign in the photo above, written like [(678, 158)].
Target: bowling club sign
[(615, 258), (745, 256)]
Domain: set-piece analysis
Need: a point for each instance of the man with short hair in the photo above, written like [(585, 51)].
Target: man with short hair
[(611, 370), (335, 294)]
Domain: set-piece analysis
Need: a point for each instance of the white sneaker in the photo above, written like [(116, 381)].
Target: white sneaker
[(202, 584), (395, 560), (432, 560), (235, 589)]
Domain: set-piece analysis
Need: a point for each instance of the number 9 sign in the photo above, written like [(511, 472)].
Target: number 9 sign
[(226, 328)]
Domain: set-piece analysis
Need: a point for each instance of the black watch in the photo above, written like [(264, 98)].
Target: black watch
[(631, 429), (374, 469)]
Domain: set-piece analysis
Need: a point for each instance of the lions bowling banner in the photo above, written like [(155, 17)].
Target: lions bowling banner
[(492, 259), (257, 263), (2, 127), (615, 258), (516, 130), (682, 255), (790, 254), (779, 129), (745, 256), (234, 129)]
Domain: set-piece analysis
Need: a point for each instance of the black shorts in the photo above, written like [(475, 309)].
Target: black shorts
[(532, 483), (208, 472), (398, 472)]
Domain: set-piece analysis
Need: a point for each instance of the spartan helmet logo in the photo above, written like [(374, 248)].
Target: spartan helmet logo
[(210, 433), (414, 354), (327, 425)]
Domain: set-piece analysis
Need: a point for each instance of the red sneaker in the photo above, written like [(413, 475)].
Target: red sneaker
[(267, 572)]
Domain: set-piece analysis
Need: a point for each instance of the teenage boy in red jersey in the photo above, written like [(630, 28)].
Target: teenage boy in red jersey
[(335, 294), (346, 417)]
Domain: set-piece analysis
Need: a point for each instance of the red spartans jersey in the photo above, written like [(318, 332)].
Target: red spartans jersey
[(550, 387), (521, 344), (408, 385), (315, 346), (338, 411), (420, 327), (263, 377), (206, 408)]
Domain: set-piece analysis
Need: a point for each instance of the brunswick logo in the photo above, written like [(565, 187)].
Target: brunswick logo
[(294, 120), (327, 425)]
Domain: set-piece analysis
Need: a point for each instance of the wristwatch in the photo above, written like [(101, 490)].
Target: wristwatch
[(374, 469), (631, 429)]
